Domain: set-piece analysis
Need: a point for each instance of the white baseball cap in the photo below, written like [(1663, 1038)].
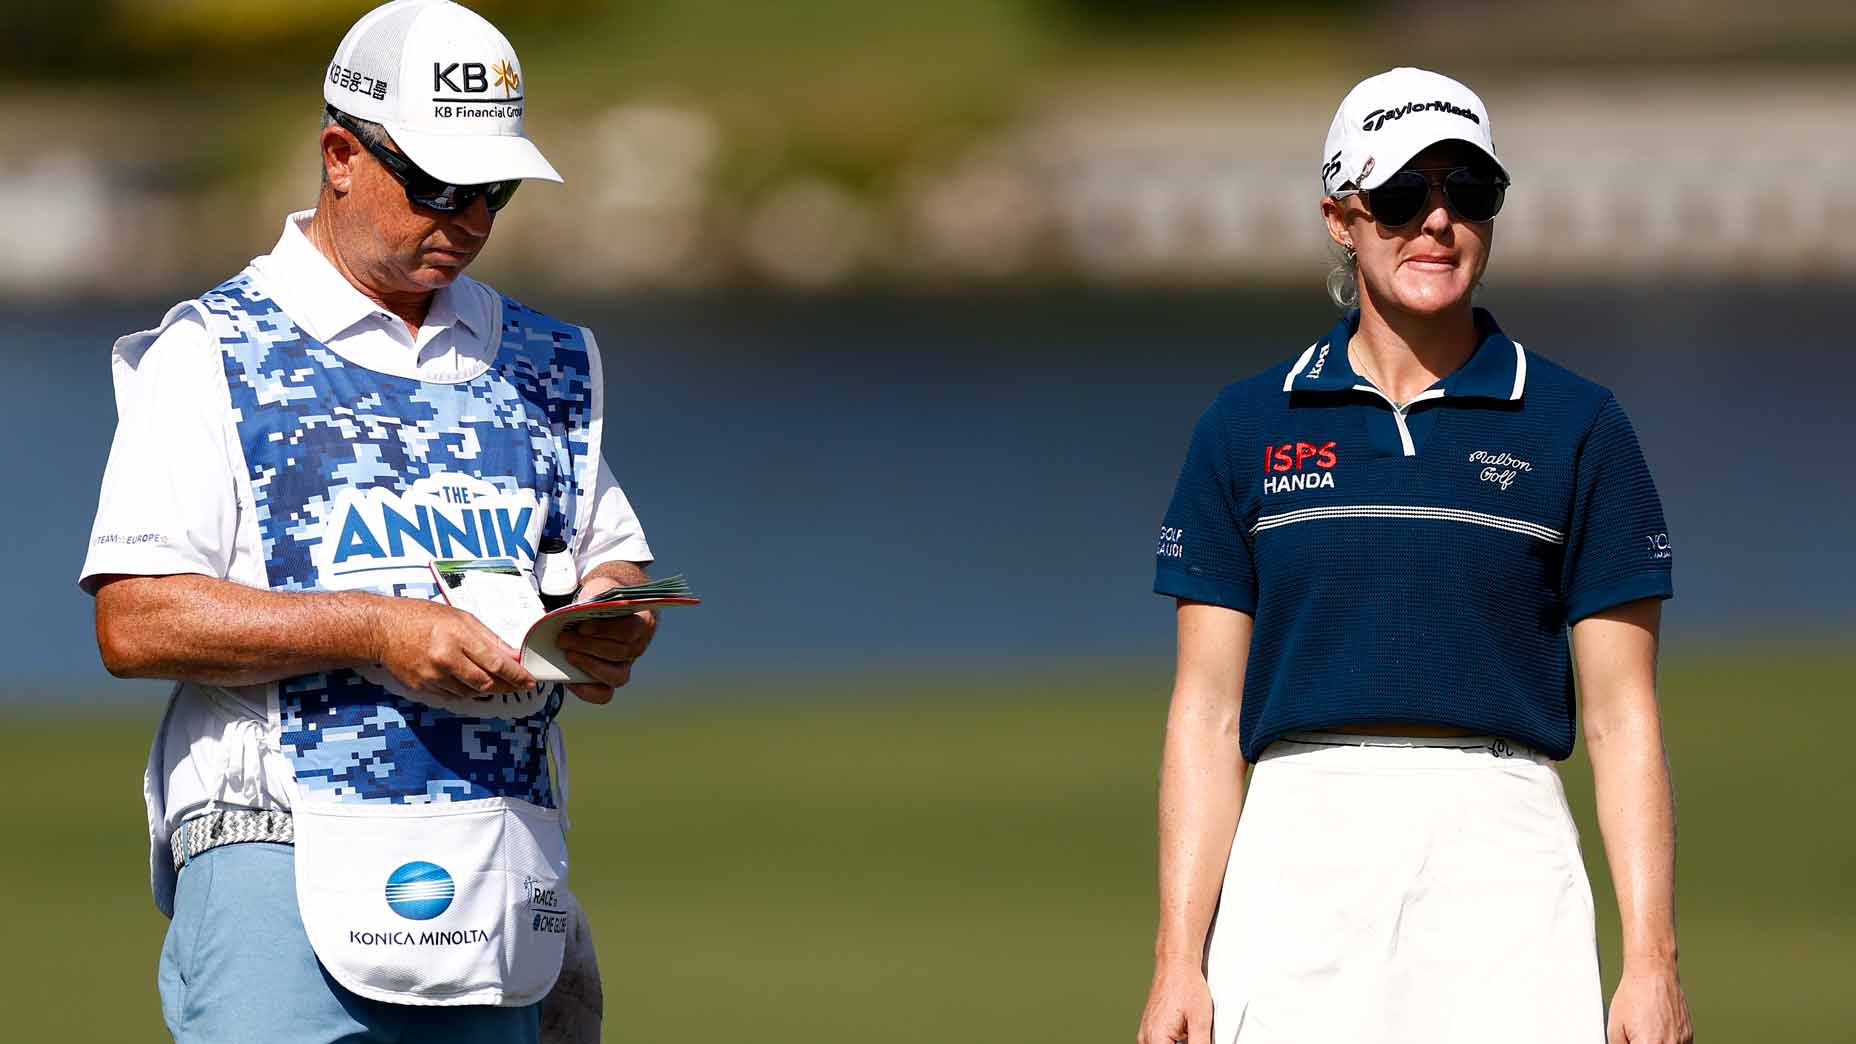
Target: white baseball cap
[(445, 84), (1389, 118)]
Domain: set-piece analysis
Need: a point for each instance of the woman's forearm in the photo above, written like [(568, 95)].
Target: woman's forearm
[(1616, 656), (1201, 777), (1636, 817), (1201, 795)]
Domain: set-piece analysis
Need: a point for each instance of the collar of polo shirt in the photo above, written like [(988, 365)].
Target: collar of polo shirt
[(325, 304), (456, 342), (1497, 369)]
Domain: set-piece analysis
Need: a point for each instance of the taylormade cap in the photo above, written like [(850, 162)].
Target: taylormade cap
[(445, 84), (1389, 118)]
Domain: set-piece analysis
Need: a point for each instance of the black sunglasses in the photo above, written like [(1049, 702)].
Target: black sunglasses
[(1471, 194), (424, 189)]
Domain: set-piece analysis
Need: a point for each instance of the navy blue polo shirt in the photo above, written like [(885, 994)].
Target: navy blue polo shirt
[(1417, 565)]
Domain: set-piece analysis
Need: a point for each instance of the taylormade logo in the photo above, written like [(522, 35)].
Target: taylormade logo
[(1378, 117), (1330, 168)]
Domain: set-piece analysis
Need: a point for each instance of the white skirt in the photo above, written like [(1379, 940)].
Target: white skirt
[(1418, 891)]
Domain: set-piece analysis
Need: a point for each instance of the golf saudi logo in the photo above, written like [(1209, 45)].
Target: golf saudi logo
[(420, 891)]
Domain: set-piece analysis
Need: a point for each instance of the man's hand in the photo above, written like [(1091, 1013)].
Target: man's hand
[(1649, 1008), (215, 632), (1179, 1007), (433, 648), (605, 649)]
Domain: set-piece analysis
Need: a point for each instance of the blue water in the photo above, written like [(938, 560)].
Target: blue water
[(925, 483)]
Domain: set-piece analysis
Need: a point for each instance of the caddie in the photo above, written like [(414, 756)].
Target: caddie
[(355, 797)]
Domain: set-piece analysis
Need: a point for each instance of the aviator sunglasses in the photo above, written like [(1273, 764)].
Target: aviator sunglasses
[(424, 189), (1471, 194)]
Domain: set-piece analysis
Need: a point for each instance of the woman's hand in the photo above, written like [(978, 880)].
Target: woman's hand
[(1649, 1008), (1615, 654), (1179, 1007), (1201, 793)]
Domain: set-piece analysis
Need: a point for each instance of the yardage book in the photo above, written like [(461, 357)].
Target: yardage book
[(498, 591)]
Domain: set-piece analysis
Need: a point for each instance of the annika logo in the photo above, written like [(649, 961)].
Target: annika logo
[(463, 90), (1379, 117), (1299, 465), (368, 535)]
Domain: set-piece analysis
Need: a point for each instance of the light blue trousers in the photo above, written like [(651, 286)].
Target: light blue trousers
[(237, 968)]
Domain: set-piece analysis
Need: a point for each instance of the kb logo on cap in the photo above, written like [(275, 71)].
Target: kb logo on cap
[(474, 77)]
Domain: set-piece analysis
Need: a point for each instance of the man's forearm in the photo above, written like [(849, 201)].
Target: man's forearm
[(216, 632), (619, 572)]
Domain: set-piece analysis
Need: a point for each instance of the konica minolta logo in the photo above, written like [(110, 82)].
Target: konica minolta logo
[(1379, 117), (420, 891)]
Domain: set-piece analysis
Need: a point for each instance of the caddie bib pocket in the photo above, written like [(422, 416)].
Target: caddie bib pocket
[(456, 903)]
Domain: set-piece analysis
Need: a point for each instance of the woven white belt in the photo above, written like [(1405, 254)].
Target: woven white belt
[(230, 827), (1496, 745)]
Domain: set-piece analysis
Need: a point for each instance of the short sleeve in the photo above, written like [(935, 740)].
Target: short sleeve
[(610, 530), (1617, 546), (169, 499), (1203, 554), (613, 533)]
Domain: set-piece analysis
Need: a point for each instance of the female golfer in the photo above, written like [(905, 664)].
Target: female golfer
[(1377, 549)]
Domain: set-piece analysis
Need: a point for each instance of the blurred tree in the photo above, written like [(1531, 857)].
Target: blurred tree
[(58, 39), (182, 40), (1160, 13)]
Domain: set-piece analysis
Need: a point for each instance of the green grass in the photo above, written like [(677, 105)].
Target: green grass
[(945, 867)]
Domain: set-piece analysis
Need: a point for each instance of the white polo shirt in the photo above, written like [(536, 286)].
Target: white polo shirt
[(169, 502)]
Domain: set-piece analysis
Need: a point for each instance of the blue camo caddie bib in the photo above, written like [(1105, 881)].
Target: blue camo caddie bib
[(358, 479)]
